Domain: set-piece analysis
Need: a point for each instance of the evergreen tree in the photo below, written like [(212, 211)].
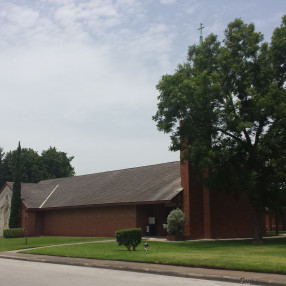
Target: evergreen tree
[(15, 214)]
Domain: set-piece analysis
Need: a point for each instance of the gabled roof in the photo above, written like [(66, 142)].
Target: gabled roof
[(148, 184)]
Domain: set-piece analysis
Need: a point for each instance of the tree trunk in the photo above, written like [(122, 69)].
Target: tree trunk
[(258, 227)]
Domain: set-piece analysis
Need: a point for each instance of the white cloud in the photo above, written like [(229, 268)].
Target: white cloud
[(66, 88), (81, 75), (168, 1), (22, 17)]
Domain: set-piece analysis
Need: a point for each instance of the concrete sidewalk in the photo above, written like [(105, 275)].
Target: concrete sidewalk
[(242, 277)]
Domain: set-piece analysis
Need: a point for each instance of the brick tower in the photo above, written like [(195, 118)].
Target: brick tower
[(213, 214)]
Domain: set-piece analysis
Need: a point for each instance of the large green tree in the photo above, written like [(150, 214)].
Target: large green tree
[(56, 164), (50, 164), (226, 107), (32, 170)]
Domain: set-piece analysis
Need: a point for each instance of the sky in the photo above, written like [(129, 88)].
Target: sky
[(81, 75)]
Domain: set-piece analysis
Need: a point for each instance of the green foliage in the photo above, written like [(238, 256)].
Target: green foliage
[(15, 213), (31, 165), (56, 164), (13, 232), (226, 109), (50, 164), (130, 237), (176, 221)]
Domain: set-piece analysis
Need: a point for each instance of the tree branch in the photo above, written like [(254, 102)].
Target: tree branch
[(259, 131), (231, 135), (247, 137), (281, 81)]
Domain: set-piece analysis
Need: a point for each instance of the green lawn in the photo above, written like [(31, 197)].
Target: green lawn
[(241, 255), (19, 243), (273, 232)]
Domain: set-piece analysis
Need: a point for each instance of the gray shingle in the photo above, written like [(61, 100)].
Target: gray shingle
[(148, 184)]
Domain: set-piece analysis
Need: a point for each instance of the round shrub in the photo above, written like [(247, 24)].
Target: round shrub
[(176, 221)]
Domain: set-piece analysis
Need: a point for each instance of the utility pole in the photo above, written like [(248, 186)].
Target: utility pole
[(201, 33)]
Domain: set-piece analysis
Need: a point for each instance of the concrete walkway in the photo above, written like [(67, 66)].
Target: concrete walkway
[(242, 277)]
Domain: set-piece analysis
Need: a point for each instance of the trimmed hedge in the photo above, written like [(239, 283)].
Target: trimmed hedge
[(129, 237), (13, 232)]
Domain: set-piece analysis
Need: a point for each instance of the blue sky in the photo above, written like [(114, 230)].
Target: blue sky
[(81, 75)]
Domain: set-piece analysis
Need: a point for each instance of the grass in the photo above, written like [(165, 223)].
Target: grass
[(273, 232), (239, 255), (19, 243)]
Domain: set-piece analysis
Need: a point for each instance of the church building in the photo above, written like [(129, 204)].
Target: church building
[(99, 204)]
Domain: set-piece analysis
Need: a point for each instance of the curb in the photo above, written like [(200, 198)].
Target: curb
[(159, 269)]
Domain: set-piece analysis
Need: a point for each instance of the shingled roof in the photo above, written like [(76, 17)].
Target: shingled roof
[(148, 184)]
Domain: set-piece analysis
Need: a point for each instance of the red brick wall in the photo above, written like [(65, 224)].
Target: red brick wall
[(213, 215), (39, 223), (192, 202), (31, 221), (196, 205), (99, 221), (271, 222), (231, 216), (185, 176)]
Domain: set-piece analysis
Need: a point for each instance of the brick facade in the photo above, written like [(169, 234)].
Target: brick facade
[(273, 222), (231, 216), (213, 214), (95, 221), (209, 214)]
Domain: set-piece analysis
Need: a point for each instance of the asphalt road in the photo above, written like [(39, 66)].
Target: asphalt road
[(26, 273)]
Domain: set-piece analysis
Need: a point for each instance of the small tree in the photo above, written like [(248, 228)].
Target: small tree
[(15, 215), (176, 221)]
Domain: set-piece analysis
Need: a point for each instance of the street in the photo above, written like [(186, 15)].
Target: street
[(26, 273)]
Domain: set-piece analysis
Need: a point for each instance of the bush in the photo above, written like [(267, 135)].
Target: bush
[(13, 232), (129, 237), (176, 221)]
